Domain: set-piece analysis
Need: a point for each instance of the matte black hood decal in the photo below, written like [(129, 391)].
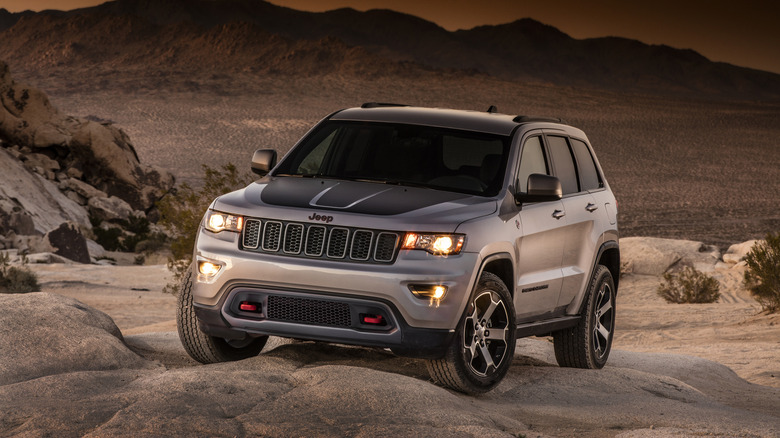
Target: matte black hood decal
[(352, 196)]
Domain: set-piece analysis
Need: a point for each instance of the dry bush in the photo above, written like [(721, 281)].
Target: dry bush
[(762, 277), (689, 286), (182, 210), (16, 280)]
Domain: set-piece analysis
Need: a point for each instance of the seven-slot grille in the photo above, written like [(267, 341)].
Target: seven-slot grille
[(319, 241)]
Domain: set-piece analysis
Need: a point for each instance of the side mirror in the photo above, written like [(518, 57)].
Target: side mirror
[(541, 188), (263, 161)]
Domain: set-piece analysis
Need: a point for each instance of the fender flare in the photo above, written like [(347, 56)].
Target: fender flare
[(579, 302)]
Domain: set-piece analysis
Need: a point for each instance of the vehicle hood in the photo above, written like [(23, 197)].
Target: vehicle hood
[(350, 202)]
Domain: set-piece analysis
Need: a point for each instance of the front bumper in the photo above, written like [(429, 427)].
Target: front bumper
[(413, 326)]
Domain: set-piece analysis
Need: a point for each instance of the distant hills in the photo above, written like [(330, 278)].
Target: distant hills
[(256, 36)]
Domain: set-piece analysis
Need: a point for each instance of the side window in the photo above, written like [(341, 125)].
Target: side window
[(589, 176), (563, 164), (531, 161)]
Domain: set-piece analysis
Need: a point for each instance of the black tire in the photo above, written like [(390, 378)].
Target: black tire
[(205, 348), (587, 345), (477, 360)]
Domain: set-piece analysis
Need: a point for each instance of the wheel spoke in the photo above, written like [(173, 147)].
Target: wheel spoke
[(605, 308), (489, 311), (485, 353), (497, 334), (473, 350), (603, 331), (596, 341)]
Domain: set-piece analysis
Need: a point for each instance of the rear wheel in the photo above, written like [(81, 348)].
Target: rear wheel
[(587, 345), (482, 350), (203, 347)]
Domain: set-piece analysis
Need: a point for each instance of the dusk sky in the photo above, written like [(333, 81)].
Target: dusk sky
[(744, 33)]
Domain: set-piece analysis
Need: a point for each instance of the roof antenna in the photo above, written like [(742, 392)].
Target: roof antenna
[(492, 109)]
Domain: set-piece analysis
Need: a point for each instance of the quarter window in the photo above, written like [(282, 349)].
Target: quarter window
[(589, 176)]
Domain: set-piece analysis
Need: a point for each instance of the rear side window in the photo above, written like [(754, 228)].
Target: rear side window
[(564, 164), (589, 176), (531, 161)]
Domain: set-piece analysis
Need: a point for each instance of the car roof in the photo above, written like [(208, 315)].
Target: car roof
[(489, 122)]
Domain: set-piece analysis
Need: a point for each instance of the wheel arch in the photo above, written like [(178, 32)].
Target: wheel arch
[(609, 256), (501, 265)]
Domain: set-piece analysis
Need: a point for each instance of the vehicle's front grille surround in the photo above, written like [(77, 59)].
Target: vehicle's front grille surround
[(337, 243), (328, 242), (251, 237), (272, 236)]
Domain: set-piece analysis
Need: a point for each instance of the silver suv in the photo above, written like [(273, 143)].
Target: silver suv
[(439, 234)]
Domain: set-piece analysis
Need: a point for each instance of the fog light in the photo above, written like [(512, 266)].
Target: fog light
[(435, 292), (208, 269)]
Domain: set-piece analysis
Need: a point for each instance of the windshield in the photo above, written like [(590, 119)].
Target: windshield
[(445, 159)]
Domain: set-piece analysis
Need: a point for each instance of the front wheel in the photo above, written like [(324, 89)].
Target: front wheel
[(587, 345), (481, 351), (203, 347)]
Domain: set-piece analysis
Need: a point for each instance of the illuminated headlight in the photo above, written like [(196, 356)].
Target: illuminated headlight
[(216, 222), (437, 244)]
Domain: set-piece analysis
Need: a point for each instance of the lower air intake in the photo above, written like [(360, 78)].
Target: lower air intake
[(308, 311)]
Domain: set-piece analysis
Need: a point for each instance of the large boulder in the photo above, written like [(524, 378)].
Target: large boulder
[(655, 256), (738, 251), (67, 241), (43, 334), (28, 200), (109, 209), (102, 155)]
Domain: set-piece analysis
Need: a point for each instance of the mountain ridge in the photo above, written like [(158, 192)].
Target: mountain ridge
[(375, 42)]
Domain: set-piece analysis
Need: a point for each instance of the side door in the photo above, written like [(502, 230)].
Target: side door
[(573, 165), (540, 241)]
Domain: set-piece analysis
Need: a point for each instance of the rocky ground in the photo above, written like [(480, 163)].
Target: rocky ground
[(70, 369)]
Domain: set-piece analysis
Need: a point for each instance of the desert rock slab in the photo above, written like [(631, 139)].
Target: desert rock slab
[(44, 334), (655, 256), (41, 199)]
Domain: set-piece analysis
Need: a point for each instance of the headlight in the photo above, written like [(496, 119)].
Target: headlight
[(437, 244), (216, 222)]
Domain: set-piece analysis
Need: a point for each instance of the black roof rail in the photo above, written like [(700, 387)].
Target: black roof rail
[(380, 104), (527, 119), (492, 109)]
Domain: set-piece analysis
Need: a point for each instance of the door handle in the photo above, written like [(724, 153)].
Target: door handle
[(591, 207), (557, 214)]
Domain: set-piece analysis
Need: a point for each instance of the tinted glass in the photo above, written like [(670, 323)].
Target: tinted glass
[(564, 164), (531, 161), (445, 159), (589, 177)]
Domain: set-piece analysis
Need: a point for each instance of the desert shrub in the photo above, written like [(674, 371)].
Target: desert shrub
[(762, 277), (152, 243), (126, 235), (109, 238), (689, 286), (16, 280), (182, 210)]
